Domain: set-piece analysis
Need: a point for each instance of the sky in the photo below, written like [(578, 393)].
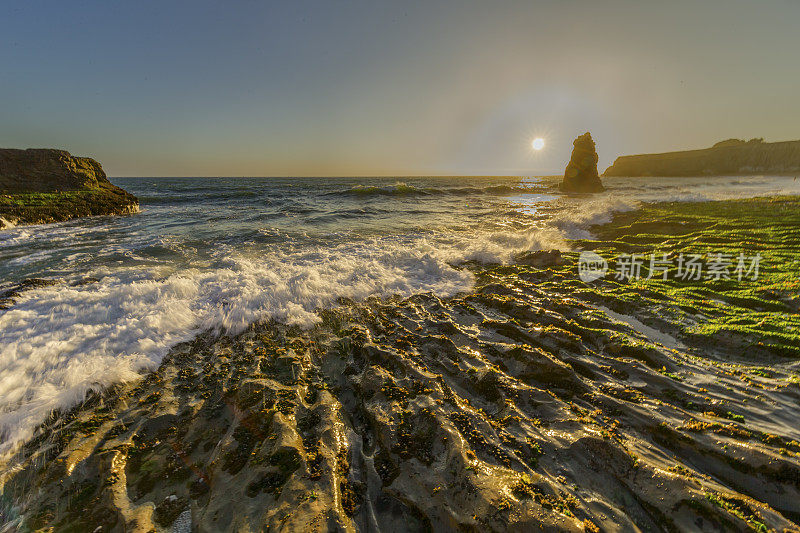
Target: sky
[(337, 88)]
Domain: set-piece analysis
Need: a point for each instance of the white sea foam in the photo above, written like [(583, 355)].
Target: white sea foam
[(60, 341), (575, 220), (626, 194)]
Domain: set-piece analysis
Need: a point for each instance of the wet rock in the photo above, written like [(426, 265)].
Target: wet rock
[(540, 258), (7, 298), (516, 407), (169, 509)]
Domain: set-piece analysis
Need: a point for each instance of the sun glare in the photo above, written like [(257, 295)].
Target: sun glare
[(538, 143)]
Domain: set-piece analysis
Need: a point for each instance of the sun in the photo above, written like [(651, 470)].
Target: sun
[(538, 143)]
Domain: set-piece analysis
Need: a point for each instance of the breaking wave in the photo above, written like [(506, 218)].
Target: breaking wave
[(60, 341), (404, 189)]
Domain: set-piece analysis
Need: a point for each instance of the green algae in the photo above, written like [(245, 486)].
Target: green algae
[(38, 208), (739, 510), (515, 406), (745, 315)]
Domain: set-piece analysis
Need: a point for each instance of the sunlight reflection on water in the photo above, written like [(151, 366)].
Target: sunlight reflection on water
[(530, 203)]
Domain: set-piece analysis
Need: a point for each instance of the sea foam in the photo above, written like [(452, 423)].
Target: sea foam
[(58, 342)]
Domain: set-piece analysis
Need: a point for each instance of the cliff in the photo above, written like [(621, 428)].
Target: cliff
[(44, 185), (729, 157), (47, 170)]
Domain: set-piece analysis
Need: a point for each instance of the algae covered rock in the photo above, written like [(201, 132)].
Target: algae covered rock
[(44, 185), (540, 258), (535, 402), (581, 173)]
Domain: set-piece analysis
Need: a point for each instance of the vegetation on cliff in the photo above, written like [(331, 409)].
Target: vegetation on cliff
[(537, 401), (42, 185), (730, 157)]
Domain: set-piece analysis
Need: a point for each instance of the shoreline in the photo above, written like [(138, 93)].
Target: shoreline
[(466, 410)]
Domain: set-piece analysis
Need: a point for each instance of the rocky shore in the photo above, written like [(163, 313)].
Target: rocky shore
[(39, 186), (537, 401)]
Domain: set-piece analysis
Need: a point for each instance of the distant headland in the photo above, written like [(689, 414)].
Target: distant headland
[(44, 185), (729, 157)]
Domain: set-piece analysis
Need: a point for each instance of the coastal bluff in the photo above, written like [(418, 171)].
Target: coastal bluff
[(725, 158), (42, 185)]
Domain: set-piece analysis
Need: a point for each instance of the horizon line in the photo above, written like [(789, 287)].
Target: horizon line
[(364, 176)]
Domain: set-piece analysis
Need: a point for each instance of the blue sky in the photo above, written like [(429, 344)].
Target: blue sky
[(388, 88)]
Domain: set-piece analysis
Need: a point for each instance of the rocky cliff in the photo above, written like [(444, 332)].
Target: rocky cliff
[(729, 157), (47, 170), (45, 185)]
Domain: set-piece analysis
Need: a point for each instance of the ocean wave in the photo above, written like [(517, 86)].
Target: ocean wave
[(576, 220), (61, 341), (398, 189), (190, 197), (490, 189), (404, 189)]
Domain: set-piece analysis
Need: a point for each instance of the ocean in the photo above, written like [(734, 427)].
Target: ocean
[(222, 253)]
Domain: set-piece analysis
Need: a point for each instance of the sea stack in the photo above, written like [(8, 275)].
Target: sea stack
[(581, 173)]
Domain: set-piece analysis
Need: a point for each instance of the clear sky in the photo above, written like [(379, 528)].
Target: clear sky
[(259, 88)]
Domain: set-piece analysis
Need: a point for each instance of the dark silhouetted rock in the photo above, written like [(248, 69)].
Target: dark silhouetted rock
[(731, 157), (581, 173)]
